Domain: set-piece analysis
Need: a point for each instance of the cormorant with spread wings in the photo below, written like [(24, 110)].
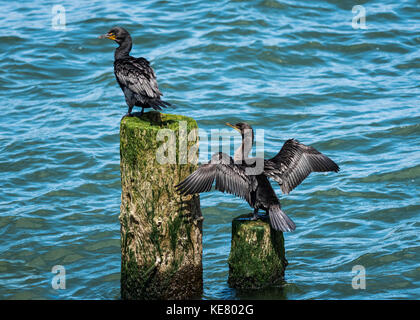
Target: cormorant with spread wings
[(293, 163), (134, 75)]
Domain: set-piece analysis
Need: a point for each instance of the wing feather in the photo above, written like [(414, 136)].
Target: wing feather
[(294, 162), (229, 177), (137, 75)]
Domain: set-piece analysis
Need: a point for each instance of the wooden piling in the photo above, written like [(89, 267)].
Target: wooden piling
[(257, 257), (161, 234)]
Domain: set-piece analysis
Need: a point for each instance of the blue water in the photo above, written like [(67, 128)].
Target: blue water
[(294, 68)]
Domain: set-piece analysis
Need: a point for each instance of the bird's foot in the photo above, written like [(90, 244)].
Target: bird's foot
[(128, 114), (263, 217), (137, 114), (253, 217), (259, 216)]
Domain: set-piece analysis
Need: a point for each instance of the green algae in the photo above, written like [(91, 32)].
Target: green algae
[(257, 258), (161, 250)]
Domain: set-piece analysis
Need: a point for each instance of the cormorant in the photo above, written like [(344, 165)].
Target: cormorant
[(293, 163), (134, 75)]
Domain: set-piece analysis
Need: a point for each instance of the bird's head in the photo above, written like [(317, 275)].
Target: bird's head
[(118, 34), (240, 126), (243, 128)]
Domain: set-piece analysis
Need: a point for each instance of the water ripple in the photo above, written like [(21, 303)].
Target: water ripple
[(294, 68)]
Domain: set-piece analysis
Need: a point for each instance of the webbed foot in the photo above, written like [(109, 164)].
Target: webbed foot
[(137, 114), (253, 216), (128, 114), (259, 216)]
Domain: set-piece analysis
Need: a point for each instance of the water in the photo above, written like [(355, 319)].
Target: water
[(294, 68)]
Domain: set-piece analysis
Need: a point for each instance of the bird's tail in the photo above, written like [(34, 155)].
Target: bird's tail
[(157, 104), (279, 220)]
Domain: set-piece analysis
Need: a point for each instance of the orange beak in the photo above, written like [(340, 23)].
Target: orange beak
[(231, 125), (110, 36)]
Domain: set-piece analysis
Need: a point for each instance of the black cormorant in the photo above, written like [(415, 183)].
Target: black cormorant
[(293, 163), (134, 75)]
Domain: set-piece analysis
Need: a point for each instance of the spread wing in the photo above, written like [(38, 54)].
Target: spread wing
[(229, 177), (294, 162), (137, 75)]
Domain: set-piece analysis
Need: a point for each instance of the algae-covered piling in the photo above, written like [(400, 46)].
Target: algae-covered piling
[(257, 258), (161, 233)]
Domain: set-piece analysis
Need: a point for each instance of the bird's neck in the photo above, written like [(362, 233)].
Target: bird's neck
[(124, 49), (243, 151)]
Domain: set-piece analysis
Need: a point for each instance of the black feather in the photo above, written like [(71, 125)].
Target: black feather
[(135, 75), (294, 162), (289, 168)]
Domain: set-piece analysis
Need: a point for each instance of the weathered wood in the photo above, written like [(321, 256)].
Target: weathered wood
[(257, 257), (161, 234)]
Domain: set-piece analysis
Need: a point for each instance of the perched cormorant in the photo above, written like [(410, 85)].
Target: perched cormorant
[(293, 163), (134, 75)]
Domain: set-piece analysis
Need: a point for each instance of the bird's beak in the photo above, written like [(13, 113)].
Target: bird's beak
[(110, 36), (231, 125)]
